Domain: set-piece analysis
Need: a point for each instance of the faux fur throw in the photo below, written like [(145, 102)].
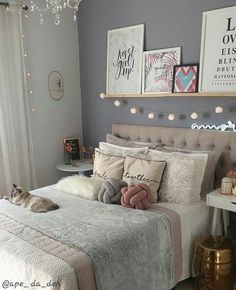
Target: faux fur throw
[(111, 191), (83, 186), (136, 196)]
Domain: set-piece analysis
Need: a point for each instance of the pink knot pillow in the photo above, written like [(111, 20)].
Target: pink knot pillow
[(136, 196)]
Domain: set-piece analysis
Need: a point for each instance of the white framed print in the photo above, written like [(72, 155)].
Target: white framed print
[(218, 51), (124, 59), (158, 69)]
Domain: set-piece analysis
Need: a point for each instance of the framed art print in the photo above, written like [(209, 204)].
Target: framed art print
[(218, 51), (124, 59), (185, 78), (71, 145), (158, 68)]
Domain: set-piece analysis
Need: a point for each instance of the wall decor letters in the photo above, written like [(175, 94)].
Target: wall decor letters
[(230, 126)]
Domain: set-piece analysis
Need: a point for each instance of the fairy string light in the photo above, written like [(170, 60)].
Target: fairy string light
[(27, 73)]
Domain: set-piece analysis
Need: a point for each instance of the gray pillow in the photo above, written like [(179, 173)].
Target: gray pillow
[(127, 143), (209, 176)]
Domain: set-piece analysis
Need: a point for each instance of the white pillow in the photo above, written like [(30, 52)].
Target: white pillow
[(82, 186), (121, 150), (138, 170), (107, 165), (183, 176)]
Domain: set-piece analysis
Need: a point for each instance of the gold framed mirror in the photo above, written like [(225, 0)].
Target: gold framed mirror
[(55, 85)]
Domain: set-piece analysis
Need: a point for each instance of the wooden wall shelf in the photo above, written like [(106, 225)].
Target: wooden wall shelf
[(164, 95)]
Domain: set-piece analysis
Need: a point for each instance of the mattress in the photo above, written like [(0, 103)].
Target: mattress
[(194, 221)]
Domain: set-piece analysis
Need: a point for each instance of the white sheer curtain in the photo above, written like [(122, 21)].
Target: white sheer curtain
[(16, 158)]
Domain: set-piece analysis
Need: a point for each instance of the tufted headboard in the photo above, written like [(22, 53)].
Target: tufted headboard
[(186, 138)]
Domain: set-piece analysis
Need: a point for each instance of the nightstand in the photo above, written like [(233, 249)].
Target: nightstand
[(223, 203), (79, 168)]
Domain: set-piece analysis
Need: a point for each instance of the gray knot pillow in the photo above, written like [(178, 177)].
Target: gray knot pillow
[(111, 190)]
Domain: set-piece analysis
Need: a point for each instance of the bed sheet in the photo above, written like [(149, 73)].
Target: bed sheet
[(194, 219)]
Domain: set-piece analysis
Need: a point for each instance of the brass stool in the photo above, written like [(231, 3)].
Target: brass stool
[(212, 263)]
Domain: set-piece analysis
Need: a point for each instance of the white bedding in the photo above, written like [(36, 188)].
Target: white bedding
[(194, 223), (194, 220)]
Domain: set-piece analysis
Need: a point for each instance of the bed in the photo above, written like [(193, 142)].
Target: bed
[(74, 248)]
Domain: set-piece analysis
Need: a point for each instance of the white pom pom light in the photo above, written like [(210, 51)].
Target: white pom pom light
[(171, 117), (151, 116), (117, 103), (133, 110), (194, 115), (219, 110)]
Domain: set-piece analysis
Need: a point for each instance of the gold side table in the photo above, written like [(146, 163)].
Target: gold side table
[(212, 264)]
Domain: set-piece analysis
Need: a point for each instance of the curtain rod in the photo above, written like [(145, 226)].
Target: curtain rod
[(6, 4)]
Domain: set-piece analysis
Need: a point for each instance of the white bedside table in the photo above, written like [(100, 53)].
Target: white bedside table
[(221, 202), (79, 168)]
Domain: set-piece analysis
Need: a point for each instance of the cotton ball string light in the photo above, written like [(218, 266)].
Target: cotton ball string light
[(194, 115), (171, 117), (133, 110), (102, 96), (219, 110), (117, 103), (28, 74), (151, 116)]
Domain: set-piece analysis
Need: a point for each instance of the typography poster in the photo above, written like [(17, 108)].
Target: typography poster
[(124, 59), (218, 51)]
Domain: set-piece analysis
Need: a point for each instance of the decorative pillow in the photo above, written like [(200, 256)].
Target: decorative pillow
[(138, 170), (128, 143), (209, 176), (121, 150), (82, 186), (106, 166), (183, 176)]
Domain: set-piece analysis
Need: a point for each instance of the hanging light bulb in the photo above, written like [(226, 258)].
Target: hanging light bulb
[(117, 103), (151, 116), (194, 115), (102, 96), (31, 92), (28, 74), (171, 117), (133, 110), (219, 110)]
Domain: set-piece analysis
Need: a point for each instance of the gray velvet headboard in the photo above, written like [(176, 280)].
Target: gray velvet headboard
[(186, 138)]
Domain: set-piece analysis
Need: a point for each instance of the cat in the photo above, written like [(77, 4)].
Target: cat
[(36, 203)]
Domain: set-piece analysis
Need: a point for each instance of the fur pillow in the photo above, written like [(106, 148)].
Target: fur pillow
[(82, 186), (208, 183), (183, 176)]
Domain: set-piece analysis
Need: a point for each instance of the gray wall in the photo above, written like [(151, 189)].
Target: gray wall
[(50, 48), (168, 23)]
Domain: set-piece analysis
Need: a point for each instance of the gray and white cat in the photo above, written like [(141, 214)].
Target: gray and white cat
[(34, 202)]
